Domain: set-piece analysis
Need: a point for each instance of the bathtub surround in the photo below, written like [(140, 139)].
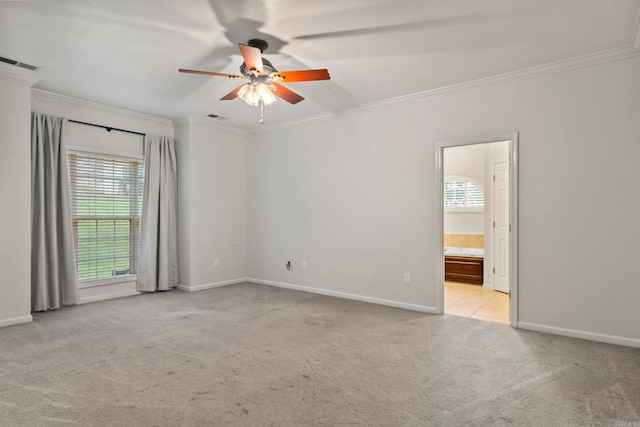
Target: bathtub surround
[(464, 240), (462, 251), (258, 355)]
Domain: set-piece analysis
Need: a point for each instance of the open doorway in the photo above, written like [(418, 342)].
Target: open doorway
[(477, 226)]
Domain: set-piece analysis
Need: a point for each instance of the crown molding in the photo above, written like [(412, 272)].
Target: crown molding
[(30, 78), (42, 95), (188, 121), (301, 122), (515, 76), (18, 75)]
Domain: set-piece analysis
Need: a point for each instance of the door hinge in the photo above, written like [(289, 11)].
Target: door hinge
[(494, 270), (494, 178), (509, 228), (494, 224)]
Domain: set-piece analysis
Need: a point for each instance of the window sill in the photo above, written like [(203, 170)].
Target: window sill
[(470, 210), (116, 280)]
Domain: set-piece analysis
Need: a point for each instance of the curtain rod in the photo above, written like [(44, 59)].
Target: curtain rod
[(108, 128)]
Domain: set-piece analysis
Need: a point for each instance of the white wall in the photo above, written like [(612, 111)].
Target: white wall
[(212, 178), (183, 154), (355, 197), (463, 222), (350, 196), (15, 188), (467, 160)]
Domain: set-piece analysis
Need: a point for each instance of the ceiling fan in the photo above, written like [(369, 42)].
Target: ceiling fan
[(264, 80)]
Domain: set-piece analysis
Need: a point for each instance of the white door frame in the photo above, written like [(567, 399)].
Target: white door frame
[(513, 218)]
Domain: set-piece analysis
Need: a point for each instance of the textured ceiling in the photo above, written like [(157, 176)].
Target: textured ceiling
[(127, 53)]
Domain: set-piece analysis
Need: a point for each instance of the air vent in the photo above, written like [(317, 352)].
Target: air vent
[(217, 117), (18, 64)]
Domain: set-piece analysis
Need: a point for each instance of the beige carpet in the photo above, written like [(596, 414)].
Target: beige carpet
[(253, 355)]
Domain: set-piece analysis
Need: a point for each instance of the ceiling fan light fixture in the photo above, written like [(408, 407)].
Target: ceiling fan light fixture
[(265, 93), (248, 94)]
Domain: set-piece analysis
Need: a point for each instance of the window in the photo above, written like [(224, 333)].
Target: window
[(462, 194), (106, 206)]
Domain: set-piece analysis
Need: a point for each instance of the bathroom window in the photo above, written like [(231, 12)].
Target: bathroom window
[(462, 193)]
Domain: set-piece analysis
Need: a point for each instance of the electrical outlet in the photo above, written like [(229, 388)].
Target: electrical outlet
[(304, 265), (216, 262), (407, 277)]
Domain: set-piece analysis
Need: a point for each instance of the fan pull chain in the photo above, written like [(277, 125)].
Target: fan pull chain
[(261, 112)]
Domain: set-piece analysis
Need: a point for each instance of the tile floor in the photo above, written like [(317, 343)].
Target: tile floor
[(474, 301)]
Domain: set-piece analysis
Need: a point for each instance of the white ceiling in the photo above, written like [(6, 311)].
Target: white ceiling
[(127, 53)]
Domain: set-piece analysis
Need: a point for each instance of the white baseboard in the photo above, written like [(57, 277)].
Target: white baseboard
[(107, 296), (15, 321), (591, 336), (204, 286), (345, 295)]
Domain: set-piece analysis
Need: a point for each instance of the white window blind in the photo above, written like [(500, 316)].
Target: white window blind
[(454, 194), (475, 198), (106, 205), (462, 193)]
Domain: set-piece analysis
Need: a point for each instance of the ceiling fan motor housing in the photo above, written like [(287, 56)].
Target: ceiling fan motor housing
[(266, 66), (260, 44)]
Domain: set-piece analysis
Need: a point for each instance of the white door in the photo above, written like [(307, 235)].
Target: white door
[(501, 226)]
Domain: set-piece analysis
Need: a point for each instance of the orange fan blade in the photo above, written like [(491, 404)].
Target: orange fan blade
[(286, 94), (211, 73), (232, 95), (252, 57), (301, 76)]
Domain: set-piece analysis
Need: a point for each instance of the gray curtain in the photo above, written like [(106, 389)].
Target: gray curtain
[(158, 261), (53, 265)]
